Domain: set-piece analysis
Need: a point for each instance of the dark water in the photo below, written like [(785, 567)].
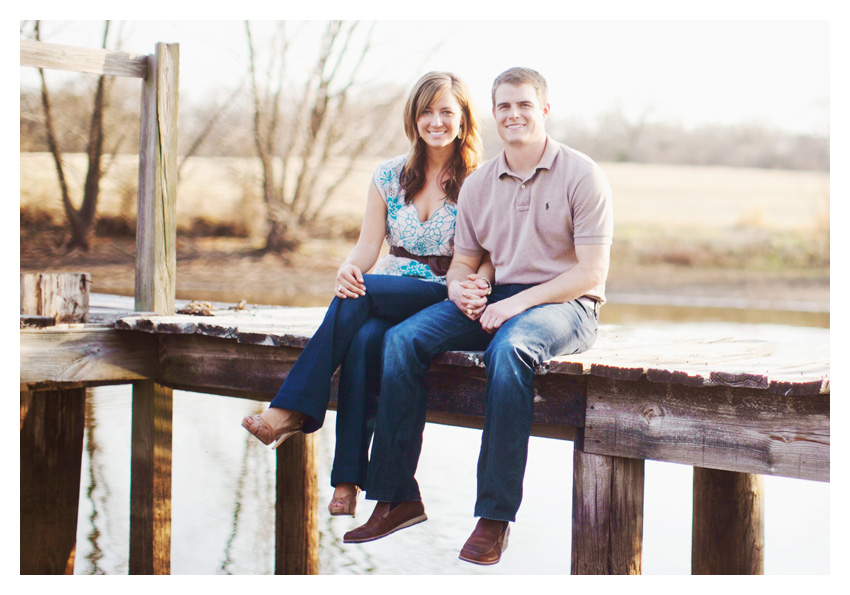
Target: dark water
[(223, 493)]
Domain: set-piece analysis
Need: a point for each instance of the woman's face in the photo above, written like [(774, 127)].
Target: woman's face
[(439, 123)]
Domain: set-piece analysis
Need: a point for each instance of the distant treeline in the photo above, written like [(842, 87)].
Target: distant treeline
[(222, 126), (614, 138)]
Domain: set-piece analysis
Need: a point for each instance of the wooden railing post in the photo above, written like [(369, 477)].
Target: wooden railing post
[(607, 534), (296, 507), (728, 523), (52, 428), (156, 264), (156, 225)]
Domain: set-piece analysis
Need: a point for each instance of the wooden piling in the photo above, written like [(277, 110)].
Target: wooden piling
[(607, 535), (52, 428), (150, 483), (296, 507), (728, 523)]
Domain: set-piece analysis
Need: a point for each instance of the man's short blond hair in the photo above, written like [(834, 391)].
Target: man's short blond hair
[(523, 76)]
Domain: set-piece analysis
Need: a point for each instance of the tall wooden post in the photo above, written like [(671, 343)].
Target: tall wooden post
[(156, 264), (607, 533), (296, 507), (728, 523), (52, 428)]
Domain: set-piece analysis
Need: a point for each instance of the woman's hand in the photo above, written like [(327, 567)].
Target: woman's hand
[(349, 282), (470, 295)]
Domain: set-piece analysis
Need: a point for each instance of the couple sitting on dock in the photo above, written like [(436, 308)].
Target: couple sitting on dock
[(527, 235)]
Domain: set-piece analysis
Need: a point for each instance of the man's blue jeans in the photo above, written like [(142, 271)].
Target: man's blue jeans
[(510, 357), (350, 338)]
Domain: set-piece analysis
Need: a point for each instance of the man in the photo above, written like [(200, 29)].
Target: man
[(543, 212)]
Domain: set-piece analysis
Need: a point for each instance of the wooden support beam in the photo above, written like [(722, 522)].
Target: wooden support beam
[(607, 533), (150, 484), (719, 427), (456, 394), (52, 429), (728, 523), (59, 356), (297, 507)]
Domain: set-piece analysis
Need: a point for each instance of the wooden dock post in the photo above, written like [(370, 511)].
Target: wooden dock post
[(728, 522), (607, 534), (150, 479), (52, 428), (296, 507), (156, 264)]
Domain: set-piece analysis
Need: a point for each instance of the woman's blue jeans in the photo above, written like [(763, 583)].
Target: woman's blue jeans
[(510, 357), (350, 338)]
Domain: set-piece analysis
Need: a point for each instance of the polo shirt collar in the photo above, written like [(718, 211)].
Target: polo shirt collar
[(546, 160)]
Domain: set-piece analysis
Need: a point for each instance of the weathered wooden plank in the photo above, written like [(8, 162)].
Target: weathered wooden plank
[(707, 361), (93, 61), (672, 356), (607, 531), (735, 429), (84, 354)]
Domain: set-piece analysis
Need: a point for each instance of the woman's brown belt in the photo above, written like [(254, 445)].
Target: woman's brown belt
[(439, 264)]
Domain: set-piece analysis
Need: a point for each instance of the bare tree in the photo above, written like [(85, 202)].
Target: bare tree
[(80, 220), (297, 139)]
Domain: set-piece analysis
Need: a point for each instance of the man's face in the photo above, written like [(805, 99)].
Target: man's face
[(519, 116)]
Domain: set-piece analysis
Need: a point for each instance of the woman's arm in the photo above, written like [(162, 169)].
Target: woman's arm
[(349, 277)]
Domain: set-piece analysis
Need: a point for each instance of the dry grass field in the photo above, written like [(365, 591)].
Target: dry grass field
[(684, 229), (669, 197)]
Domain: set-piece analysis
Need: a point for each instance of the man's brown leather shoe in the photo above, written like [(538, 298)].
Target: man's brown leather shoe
[(487, 542), (385, 521)]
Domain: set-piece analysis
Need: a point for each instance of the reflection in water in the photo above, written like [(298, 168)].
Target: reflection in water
[(92, 456), (223, 498), (103, 527), (642, 313)]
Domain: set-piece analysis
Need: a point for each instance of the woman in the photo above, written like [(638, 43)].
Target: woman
[(412, 203)]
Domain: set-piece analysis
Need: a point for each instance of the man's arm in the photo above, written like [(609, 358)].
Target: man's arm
[(590, 271)]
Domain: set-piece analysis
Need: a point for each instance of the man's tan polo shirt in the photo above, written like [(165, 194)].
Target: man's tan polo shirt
[(531, 226)]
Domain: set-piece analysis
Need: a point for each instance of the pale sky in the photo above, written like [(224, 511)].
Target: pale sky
[(689, 71)]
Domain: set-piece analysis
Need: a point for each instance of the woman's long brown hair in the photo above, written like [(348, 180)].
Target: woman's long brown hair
[(467, 145)]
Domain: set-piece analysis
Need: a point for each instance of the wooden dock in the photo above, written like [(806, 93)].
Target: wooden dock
[(722, 402), (733, 408)]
